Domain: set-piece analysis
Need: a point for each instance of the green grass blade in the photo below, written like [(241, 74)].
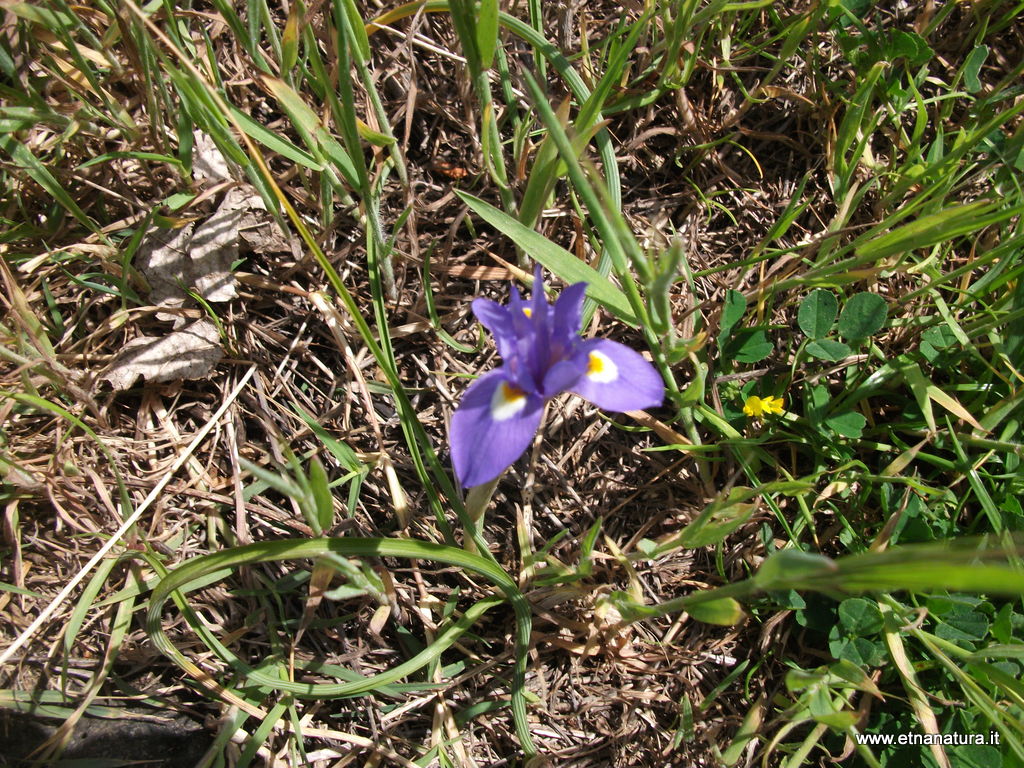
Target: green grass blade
[(39, 173), (197, 568), (555, 258)]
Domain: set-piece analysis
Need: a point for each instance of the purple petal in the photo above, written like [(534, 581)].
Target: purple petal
[(492, 427), (540, 310), (569, 312), (616, 378), (514, 349), (518, 306), (564, 375), (538, 282), (498, 320), (520, 311)]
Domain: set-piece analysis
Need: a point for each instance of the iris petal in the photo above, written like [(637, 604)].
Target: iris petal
[(540, 351), (520, 312), (569, 314), (616, 378), (540, 310), (563, 376), (492, 427), (498, 320)]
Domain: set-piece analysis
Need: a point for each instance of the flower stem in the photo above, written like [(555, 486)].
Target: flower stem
[(524, 517), (478, 498)]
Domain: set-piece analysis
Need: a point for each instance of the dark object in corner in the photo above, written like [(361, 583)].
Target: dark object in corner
[(170, 743)]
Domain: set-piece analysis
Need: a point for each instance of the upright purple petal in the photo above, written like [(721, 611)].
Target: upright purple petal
[(492, 427), (569, 310), (566, 320), (498, 320), (520, 311), (540, 307), (616, 378), (539, 311)]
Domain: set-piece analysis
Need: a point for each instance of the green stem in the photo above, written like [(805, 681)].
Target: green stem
[(524, 518), (678, 605), (478, 498)]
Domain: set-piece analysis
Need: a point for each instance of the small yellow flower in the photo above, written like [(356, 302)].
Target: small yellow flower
[(762, 406)]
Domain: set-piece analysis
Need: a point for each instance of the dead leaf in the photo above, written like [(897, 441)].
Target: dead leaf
[(189, 353), (197, 258), (208, 162), (164, 261), (258, 229), (200, 257), (214, 248)]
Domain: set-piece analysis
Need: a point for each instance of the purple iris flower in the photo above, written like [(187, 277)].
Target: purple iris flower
[(543, 356)]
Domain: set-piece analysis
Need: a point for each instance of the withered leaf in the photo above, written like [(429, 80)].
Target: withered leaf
[(257, 228), (163, 259), (208, 162), (199, 258), (189, 353), (214, 248)]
